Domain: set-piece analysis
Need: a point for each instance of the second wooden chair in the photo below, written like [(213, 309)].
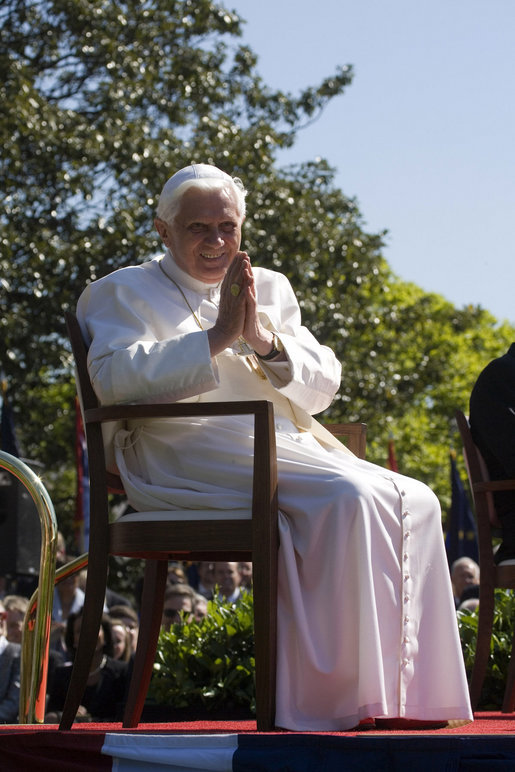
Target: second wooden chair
[(491, 576)]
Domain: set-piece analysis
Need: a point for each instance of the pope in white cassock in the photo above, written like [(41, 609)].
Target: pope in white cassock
[(366, 619)]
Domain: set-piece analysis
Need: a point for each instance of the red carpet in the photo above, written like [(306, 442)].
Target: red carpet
[(235, 746), (484, 724)]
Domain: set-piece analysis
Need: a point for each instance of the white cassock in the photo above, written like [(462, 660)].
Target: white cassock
[(366, 619)]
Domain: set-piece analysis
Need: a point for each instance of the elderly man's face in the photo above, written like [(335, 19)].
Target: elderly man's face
[(14, 625), (206, 233), (464, 575), (227, 577), (172, 610)]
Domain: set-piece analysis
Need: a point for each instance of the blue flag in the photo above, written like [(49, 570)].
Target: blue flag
[(461, 538)]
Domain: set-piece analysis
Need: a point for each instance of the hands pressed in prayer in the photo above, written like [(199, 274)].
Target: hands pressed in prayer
[(238, 315)]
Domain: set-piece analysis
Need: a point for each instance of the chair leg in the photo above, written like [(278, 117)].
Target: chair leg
[(94, 600), (265, 638), (484, 635), (152, 601)]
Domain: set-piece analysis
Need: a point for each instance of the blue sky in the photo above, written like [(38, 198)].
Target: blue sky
[(424, 138)]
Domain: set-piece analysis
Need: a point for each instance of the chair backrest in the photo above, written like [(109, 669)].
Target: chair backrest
[(157, 538), (477, 471), (354, 436), (88, 400), (87, 396)]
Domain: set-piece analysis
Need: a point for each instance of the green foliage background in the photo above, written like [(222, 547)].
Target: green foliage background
[(102, 100), (210, 663), (500, 647)]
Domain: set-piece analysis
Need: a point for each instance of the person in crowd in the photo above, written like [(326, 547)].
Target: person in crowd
[(15, 607), (227, 580), (122, 643), (464, 574), (107, 682), (61, 555), (9, 674), (470, 593), (129, 617), (469, 604), (206, 578), (245, 572), (179, 604), (201, 578), (112, 598), (176, 574), (365, 606), (492, 424), (201, 607), (68, 599)]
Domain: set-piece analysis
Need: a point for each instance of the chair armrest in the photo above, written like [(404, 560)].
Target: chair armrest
[(265, 453), (491, 486), (258, 408), (354, 433)]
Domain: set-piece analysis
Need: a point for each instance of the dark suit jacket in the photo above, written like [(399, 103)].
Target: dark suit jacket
[(103, 701), (492, 421), (9, 683)]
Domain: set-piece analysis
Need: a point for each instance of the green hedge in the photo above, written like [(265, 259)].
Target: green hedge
[(209, 663), (500, 647)]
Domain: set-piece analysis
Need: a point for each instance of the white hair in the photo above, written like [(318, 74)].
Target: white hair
[(169, 205)]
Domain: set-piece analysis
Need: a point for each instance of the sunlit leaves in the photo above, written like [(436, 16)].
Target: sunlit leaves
[(209, 663), (102, 100), (492, 693)]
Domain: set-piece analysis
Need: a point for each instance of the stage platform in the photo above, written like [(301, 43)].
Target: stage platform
[(487, 745)]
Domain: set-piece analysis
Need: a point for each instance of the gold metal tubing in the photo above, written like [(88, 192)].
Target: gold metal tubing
[(36, 638), (29, 641)]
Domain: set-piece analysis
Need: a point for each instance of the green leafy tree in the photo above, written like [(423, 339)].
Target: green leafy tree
[(102, 101), (409, 357)]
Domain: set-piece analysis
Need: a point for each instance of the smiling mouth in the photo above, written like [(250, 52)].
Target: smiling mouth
[(211, 257)]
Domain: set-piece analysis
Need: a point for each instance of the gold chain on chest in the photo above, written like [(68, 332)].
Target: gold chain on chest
[(249, 358)]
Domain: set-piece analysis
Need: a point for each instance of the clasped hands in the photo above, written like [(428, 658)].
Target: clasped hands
[(237, 313)]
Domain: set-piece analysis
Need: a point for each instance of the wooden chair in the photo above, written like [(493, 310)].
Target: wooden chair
[(491, 576), (354, 436), (158, 537)]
